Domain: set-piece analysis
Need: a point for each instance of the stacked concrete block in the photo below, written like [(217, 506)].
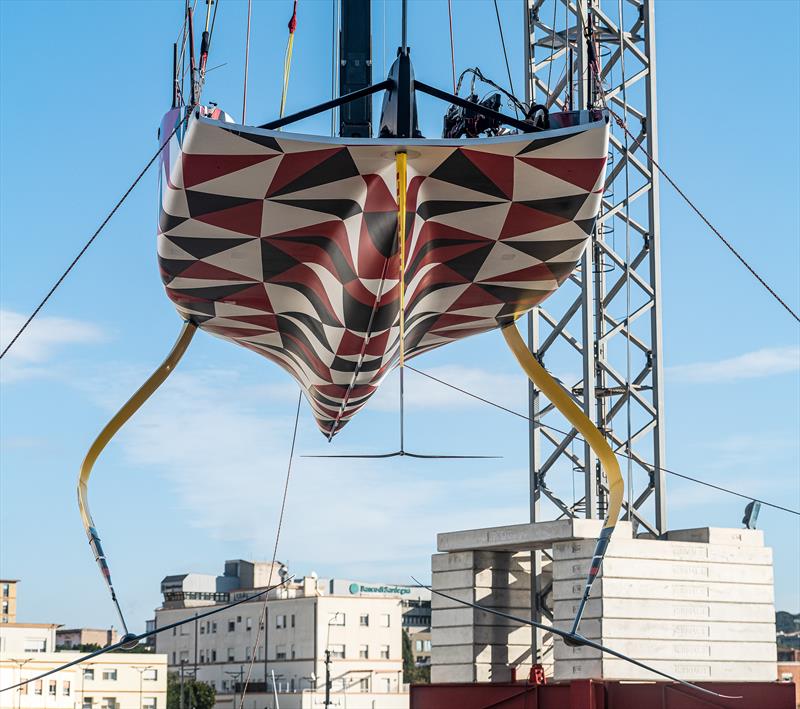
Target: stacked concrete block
[(470, 645), (698, 605)]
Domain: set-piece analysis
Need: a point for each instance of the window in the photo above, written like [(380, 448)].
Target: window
[(231, 626), (280, 621), (202, 629), (214, 627), (363, 619), (202, 656), (280, 652), (173, 657), (293, 655), (231, 655), (291, 684), (426, 645), (5, 590), (150, 674), (247, 653), (52, 688), (418, 645), (109, 675), (88, 674), (5, 607), (363, 684), (65, 688), (363, 652), (387, 684), (184, 656), (149, 703), (384, 652), (109, 703), (238, 619), (293, 620), (87, 702), (35, 645), (37, 687), (213, 656), (337, 619), (386, 620), (249, 624), (337, 651)]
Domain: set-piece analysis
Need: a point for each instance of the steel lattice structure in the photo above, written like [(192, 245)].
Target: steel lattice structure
[(604, 328)]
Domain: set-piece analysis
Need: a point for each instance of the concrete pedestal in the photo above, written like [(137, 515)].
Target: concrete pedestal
[(697, 604)]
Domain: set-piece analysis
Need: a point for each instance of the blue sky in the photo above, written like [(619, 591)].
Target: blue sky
[(195, 478)]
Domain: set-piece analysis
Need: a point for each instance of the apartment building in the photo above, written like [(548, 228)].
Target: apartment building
[(111, 681), (356, 626), (68, 638), (8, 600)]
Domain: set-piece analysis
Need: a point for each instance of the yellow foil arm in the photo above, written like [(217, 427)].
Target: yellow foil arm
[(591, 434), (133, 404)]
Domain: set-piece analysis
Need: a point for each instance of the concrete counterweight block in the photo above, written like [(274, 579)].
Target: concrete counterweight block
[(697, 604)]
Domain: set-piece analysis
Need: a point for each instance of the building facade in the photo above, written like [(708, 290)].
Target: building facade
[(68, 638), (111, 681), (8, 600), (356, 626), (22, 639)]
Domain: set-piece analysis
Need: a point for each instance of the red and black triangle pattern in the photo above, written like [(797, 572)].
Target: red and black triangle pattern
[(287, 245)]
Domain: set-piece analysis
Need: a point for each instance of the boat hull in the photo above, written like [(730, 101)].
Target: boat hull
[(287, 244)]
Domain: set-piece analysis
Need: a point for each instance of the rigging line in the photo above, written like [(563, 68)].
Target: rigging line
[(246, 61), (136, 638), (262, 617), (92, 238), (703, 217), (552, 49), (579, 439), (505, 53), (334, 62), (452, 45)]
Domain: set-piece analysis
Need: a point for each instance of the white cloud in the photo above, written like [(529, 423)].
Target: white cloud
[(33, 352), (226, 460), (751, 365)]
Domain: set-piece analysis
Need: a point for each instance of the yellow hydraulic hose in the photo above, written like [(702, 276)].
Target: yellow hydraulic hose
[(591, 434), (131, 406)]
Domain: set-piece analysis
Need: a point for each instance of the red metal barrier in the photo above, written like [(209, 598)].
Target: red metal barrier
[(597, 694)]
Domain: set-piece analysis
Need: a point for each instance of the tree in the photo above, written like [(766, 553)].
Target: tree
[(411, 673), (196, 695)]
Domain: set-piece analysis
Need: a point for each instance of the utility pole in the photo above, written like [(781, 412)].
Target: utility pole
[(327, 678), (604, 324), (183, 663)]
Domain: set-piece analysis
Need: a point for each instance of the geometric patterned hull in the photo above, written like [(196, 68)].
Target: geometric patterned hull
[(287, 244)]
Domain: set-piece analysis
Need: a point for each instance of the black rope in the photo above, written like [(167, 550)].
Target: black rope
[(274, 552), (136, 638), (702, 216), (505, 53), (578, 438), (89, 243)]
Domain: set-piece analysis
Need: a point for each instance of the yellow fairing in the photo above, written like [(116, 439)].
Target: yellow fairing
[(562, 401), (401, 160), (133, 404)]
